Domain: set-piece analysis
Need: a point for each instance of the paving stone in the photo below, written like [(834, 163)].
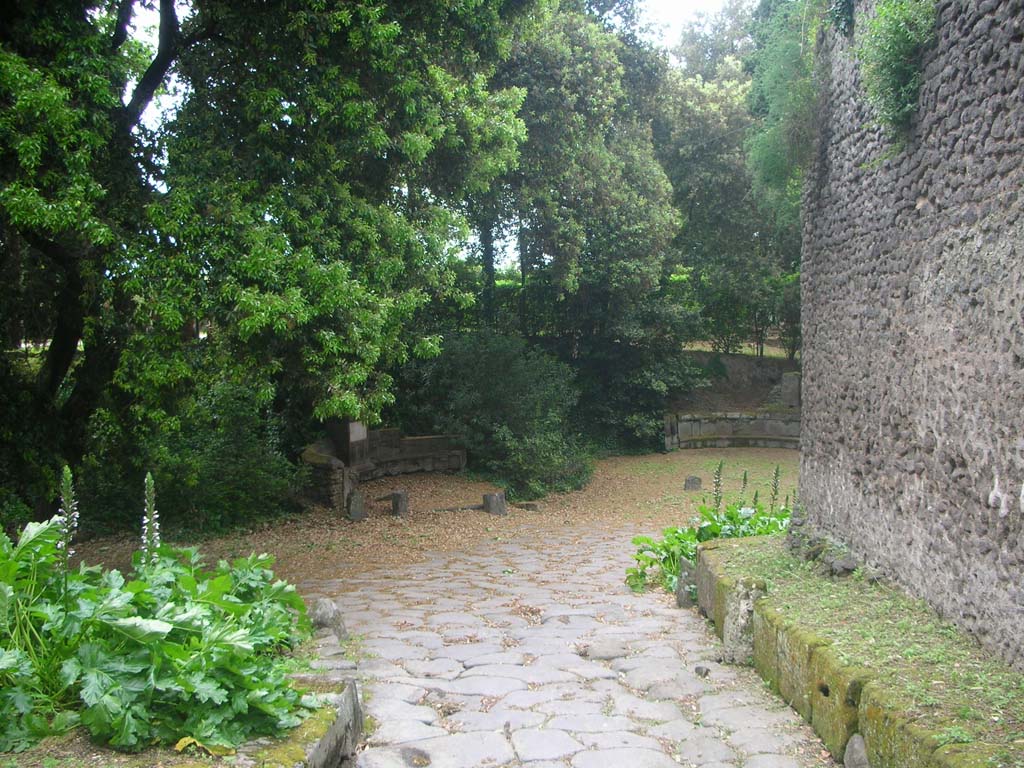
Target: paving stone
[(571, 707), (620, 758), (649, 672), (411, 694), (770, 761), (704, 747), (557, 692), (402, 731), (487, 659), (738, 718), (607, 649), (534, 675), (446, 669), (465, 651), (675, 730), (643, 709), (756, 741), (497, 720), (485, 686), (394, 650), (453, 618), (617, 740), (460, 750), (591, 723), (679, 687), (394, 709), (544, 744)]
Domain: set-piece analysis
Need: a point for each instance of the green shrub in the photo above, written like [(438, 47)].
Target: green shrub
[(508, 401), (680, 543), (890, 52), (218, 456), (176, 651)]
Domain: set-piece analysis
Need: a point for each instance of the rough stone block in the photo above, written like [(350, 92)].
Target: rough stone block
[(767, 623), (687, 585), (692, 483), (400, 504), (737, 630), (796, 676), (327, 615), (889, 737), (495, 504), (339, 744), (356, 508), (835, 698)]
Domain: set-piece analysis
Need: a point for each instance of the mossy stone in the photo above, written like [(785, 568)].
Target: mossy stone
[(768, 622), (835, 698), (973, 756), (290, 751), (796, 678), (892, 740)]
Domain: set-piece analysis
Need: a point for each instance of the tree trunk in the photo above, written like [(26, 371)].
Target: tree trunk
[(487, 255)]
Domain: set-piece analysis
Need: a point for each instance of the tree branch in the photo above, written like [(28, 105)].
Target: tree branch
[(124, 17), (167, 49)]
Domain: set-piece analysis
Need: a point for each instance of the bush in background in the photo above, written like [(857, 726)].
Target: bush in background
[(508, 401), (219, 459)]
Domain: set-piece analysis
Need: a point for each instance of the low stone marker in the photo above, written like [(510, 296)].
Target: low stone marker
[(356, 507), (692, 483), (495, 504), (400, 503)]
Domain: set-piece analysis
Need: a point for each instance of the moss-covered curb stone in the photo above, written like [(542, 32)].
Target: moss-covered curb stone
[(839, 699)]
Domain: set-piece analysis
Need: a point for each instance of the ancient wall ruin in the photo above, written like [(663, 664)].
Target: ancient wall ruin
[(913, 356)]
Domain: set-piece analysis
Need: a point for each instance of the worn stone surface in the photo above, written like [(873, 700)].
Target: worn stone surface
[(732, 429), (494, 504), (356, 507), (692, 483), (913, 345), (327, 615), (856, 753), (516, 655)]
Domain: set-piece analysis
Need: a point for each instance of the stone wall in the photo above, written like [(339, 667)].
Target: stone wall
[(913, 328), (732, 430)]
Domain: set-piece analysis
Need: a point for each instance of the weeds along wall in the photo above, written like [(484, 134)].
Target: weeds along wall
[(913, 322)]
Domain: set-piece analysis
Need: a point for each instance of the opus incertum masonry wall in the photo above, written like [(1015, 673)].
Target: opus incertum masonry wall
[(913, 356)]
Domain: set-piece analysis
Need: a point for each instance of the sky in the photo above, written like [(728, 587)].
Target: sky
[(669, 16)]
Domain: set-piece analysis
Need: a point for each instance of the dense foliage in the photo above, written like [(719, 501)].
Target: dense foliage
[(890, 51), (512, 404), (680, 543), (280, 226), (218, 236), (175, 651)]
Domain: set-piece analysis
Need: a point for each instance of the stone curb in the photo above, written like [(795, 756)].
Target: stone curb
[(843, 703)]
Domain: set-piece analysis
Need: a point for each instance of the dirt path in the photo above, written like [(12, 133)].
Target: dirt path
[(532, 652), (643, 493)]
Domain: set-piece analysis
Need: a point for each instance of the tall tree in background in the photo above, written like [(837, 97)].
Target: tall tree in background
[(594, 219)]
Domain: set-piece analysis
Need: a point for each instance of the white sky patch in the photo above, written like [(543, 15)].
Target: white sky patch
[(668, 17)]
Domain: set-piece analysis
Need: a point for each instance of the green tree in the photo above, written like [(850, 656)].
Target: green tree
[(594, 221), (287, 222)]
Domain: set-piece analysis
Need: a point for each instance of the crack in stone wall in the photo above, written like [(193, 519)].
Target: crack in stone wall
[(913, 327)]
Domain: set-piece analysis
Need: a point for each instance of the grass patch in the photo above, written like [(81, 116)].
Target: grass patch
[(932, 670)]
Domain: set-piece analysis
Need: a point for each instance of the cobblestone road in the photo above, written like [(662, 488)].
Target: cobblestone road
[(536, 654)]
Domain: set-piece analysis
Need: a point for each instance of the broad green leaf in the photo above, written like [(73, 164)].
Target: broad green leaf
[(142, 630)]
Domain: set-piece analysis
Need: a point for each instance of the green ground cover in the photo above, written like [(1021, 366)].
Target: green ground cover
[(932, 670)]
